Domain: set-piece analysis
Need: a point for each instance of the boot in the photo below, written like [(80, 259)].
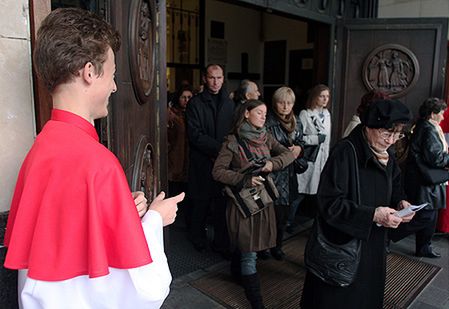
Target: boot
[(277, 252), (251, 283), (236, 271)]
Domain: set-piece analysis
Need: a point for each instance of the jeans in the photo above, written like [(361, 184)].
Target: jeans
[(248, 263)]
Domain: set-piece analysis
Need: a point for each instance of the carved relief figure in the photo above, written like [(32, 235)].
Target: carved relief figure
[(398, 77), (383, 80), (143, 54)]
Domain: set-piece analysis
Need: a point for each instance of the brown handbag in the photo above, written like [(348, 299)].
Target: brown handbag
[(252, 200)]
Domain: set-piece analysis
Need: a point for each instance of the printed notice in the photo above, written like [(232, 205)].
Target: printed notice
[(409, 210)]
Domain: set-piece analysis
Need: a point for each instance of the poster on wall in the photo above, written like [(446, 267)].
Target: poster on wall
[(217, 51)]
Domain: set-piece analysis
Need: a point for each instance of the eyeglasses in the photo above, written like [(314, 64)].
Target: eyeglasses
[(391, 134)]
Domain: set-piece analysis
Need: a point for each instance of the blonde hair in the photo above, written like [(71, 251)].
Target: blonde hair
[(283, 94)]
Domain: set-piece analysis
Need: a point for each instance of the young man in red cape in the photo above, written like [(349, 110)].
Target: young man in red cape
[(74, 233)]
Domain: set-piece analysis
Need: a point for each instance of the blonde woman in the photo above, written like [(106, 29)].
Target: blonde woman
[(287, 130)]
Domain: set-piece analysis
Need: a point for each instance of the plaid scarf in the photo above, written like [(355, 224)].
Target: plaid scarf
[(255, 140)]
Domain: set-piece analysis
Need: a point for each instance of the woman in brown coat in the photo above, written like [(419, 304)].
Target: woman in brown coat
[(258, 231)]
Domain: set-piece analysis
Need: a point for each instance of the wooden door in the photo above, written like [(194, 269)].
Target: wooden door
[(403, 57), (135, 129)]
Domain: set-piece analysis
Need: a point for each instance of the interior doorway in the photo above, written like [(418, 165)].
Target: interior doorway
[(270, 48)]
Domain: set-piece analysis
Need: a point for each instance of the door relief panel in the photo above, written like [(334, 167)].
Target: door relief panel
[(144, 177), (391, 68), (142, 42)]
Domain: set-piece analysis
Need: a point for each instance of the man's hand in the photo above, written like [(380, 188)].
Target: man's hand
[(167, 208), (141, 202), (385, 216)]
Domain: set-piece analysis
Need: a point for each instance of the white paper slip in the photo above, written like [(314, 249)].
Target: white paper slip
[(406, 211)]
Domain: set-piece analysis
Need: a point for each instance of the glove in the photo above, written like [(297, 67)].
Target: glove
[(321, 138)]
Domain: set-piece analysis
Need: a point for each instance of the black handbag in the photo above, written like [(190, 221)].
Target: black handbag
[(300, 165), (310, 152), (335, 264), (431, 175)]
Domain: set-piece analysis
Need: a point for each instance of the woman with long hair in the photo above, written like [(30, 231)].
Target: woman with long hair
[(250, 145), (316, 122), (178, 147)]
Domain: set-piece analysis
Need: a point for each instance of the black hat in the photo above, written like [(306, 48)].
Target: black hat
[(385, 114)]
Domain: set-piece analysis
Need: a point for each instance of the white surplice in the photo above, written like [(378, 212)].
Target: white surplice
[(142, 287)]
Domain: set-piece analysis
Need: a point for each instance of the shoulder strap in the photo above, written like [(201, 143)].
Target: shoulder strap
[(248, 154), (357, 179)]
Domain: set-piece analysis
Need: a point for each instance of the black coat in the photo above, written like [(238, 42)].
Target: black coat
[(344, 218), (285, 179), (425, 145), (208, 122)]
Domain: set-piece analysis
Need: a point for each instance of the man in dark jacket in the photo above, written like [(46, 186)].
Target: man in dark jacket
[(209, 117)]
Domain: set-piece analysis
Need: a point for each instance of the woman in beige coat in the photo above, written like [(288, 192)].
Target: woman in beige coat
[(256, 232)]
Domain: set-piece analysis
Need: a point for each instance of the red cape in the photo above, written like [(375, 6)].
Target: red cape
[(72, 212)]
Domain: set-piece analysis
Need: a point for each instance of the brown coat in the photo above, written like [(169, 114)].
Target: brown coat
[(257, 232), (177, 145)]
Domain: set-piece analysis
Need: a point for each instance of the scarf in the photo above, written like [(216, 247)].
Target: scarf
[(381, 155), (288, 123), (255, 140), (440, 134)]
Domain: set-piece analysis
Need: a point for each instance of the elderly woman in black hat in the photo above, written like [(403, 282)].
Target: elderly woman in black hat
[(358, 196)]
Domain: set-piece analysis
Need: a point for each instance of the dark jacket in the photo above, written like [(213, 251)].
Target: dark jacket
[(344, 218), (285, 179), (425, 145), (257, 232), (207, 125)]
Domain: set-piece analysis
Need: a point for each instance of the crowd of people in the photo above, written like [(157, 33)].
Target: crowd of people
[(81, 239), (296, 154)]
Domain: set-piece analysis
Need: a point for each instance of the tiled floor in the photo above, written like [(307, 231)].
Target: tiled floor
[(435, 295)]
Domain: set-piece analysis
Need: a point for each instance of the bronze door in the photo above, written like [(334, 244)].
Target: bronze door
[(135, 127), (403, 57), (135, 130)]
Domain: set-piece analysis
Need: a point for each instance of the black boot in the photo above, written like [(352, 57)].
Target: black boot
[(236, 271), (277, 252), (251, 283)]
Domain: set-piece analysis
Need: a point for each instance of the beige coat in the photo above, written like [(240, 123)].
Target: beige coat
[(257, 232)]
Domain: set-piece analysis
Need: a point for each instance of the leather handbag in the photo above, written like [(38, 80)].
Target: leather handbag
[(310, 152), (432, 175), (252, 200), (335, 264), (300, 165)]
